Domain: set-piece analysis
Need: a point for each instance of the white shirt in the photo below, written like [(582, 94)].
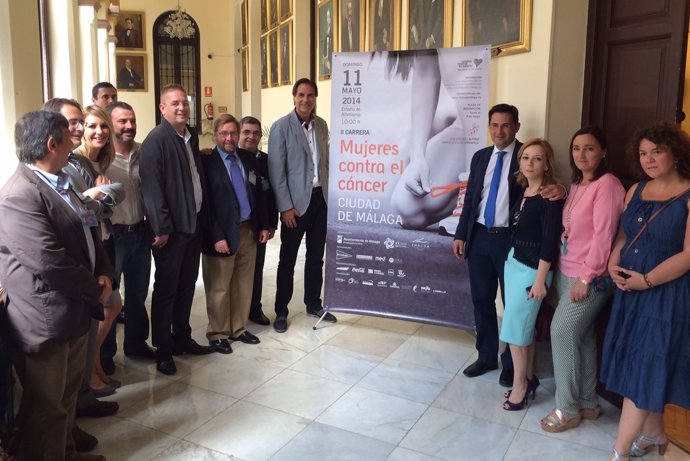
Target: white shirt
[(502, 198), (308, 128), (196, 182)]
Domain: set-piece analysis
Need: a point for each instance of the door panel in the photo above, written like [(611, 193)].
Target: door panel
[(634, 69), (634, 75)]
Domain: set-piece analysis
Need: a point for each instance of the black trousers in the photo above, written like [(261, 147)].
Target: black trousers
[(313, 225), (485, 261), (257, 290), (177, 268)]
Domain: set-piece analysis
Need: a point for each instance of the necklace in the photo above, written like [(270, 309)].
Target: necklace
[(569, 215)]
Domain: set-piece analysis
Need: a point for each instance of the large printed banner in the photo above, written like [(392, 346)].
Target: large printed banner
[(404, 126)]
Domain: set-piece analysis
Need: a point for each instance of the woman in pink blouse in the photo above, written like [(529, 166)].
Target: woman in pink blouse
[(590, 222)]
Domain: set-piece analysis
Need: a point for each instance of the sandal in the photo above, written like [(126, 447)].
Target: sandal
[(618, 456), (590, 413), (637, 451), (556, 421)]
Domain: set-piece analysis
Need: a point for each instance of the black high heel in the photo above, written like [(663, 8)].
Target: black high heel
[(532, 385), (510, 406)]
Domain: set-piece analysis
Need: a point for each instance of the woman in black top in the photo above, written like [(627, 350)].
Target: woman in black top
[(536, 226)]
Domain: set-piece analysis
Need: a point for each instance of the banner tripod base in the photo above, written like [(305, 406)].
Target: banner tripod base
[(320, 319)]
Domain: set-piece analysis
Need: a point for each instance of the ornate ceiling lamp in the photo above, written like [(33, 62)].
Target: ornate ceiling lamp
[(179, 24)]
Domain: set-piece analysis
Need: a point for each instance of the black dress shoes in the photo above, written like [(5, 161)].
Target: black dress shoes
[(319, 312), (83, 441), (190, 346), (98, 409), (280, 324), (479, 368), (247, 338), (166, 365), (259, 318), (220, 345), (143, 351), (506, 378)]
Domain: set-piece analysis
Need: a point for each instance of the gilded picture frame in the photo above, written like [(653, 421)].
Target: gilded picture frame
[(429, 24), (327, 27), (383, 25), (130, 31), (505, 24), (285, 52)]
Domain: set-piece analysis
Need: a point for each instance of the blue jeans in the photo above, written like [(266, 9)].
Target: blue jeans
[(133, 259)]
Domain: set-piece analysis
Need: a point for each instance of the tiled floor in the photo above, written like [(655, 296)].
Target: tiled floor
[(361, 389)]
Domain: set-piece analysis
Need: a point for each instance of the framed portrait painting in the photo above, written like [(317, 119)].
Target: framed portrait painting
[(285, 46), (243, 7), (351, 25), (129, 30), (264, 15), (383, 24), (285, 9), (273, 57), (326, 34), (430, 24), (131, 72), (245, 69), (264, 61), (505, 24)]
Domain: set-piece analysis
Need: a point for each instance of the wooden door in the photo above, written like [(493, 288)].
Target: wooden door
[(634, 75), (635, 69)]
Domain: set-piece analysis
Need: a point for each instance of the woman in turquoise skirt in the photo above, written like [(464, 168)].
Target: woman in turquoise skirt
[(536, 227), (646, 355)]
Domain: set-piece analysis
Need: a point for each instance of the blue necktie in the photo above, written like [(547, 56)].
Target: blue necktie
[(239, 187), (490, 210)]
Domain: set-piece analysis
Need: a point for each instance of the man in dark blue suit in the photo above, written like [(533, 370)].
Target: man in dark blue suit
[(235, 221), (485, 244), (483, 233)]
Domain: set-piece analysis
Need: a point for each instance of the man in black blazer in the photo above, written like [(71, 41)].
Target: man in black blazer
[(173, 189), (250, 136), (235, 221), (486, 248)]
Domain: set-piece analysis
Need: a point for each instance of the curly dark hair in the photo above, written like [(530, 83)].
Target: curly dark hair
[(662, 133)]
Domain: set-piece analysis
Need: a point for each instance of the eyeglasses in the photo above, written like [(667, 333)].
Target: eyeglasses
[(226, 134)]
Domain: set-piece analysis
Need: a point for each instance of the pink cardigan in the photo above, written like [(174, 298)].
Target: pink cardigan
[(594, 221)]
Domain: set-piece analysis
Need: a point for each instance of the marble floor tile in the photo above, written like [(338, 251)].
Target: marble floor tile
[(478, 398), (122, 440), (272, 350), (298, 393), (232, 376), (177, 409), (368, 340), (335, 363), (301, 334), (403, 454), (528, 446), (409, 381), (320, 442), (186, 451), (248, 431), (435, 352), (452, 436), (383, 417)]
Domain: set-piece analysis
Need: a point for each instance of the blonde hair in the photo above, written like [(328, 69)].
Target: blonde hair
[(550, 171), (107, 154)]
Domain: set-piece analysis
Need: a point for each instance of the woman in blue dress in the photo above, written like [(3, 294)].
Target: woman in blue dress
[(535, 233), (646, 355)]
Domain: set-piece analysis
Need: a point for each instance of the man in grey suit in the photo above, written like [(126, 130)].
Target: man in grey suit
[(298, 168), (57, 276)]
